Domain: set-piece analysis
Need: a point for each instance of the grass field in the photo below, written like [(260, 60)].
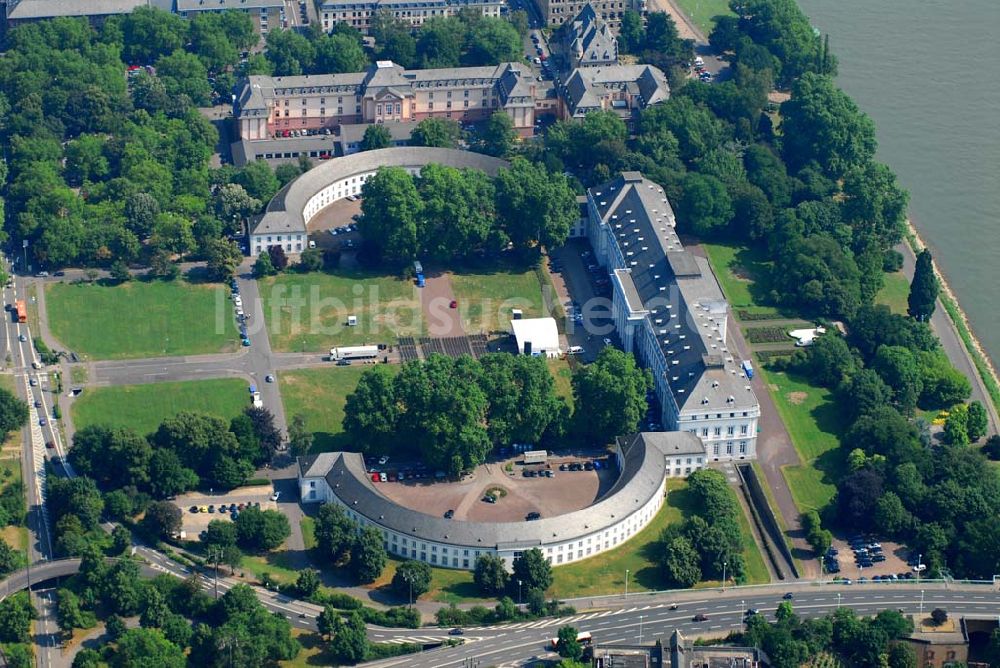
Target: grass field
[(743, 273), (141, 318), (143, 407), (810, 414), (448, 585), (563, 376), (10, 474), (605, 573), (309, 311), (894, 293), (486, 297), (701, 12), (320, 395)]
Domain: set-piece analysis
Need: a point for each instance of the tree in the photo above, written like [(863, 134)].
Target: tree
[(901, 656), (261, 530), (69, 615), (412, 579), (163, 518), (535, 207), (267, 433), (372, 411), (16, 613), (147, 647), (278, 258), (300, 437), (615, 388), (263, 266), (864, 392), (75, 496), (350, 640), (492, 40), (183, 73), (705, 206), (822, 123), (311, 259), (568, 646), (115, 626), (498, 135), (829, 360), (390, 209), (939, 616), (924, 288), (376, 136), (13, 412), (631, 34), (10, 559), (327, 620), (992, 447), (490, 575), (440, 132), (857, 496), (154, 609), (258, 180), (339, 53), (119, 272), (233, 203), (891, 516), (956, 425), (168, 476), (533, 570), (223, 258), (523, 402), (978, 421), (816, 273), (368, 555), (149, 33), (335, 532), (681, 563), (308, 582)]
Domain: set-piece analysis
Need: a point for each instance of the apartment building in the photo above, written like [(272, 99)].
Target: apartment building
[(385, 92), (266, 14), (359, 14), (669, 311), (557, 12), (623, 89)]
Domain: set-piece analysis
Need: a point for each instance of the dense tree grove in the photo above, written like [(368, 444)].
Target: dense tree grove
[(709, 541), (614, 389), (447, 214), (451, 412), (791, 641), (345, 542), (465, 40)]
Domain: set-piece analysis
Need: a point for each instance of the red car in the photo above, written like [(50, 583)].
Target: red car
[(453, 304), (375, 477)]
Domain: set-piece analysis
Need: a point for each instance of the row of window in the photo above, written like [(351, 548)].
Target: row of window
[(288, 247)]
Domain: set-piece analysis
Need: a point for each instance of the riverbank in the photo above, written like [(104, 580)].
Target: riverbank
[(973, 347)]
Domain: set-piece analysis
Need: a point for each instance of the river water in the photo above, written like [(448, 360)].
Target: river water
[(928, 73)]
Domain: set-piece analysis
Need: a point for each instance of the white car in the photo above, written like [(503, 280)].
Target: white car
[(575, 350), (607, 341), (383, 460), (276, 496)]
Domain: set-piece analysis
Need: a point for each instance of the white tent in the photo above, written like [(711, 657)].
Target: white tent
[(536, 336)]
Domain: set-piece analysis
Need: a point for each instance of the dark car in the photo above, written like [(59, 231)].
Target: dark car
[(211, 509), (456, 632), (489, 498), (563, 467), (449, 514), (531, 517), (788, 596), (700, 617), (752, 611), (878, 557), (50, 445), (588, 466)]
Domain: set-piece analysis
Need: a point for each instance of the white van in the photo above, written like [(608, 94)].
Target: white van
[(698, 60), (575, 350)]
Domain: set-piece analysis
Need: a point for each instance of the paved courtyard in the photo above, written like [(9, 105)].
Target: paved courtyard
[(193, 524), (565, 492)]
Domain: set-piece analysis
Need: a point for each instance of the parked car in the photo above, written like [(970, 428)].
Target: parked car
[(449, 514), (489, 498), (532, 516), (276, 496), (193, 509)]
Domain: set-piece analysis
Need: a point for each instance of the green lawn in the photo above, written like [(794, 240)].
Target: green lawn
[(563, 376), (144, 407), (10, 474), (605, 573), (701, 12), (486, 297), (142, 318), (448, 585), (811, 416), (310, 311), (894, 293), (320, 395), (743, 273)]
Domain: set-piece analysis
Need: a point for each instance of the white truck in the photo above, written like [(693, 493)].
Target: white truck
[(353, 353)]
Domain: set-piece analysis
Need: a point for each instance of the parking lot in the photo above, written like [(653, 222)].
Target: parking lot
[(865, 557), (337, 215), (515, 494), (193, 524)]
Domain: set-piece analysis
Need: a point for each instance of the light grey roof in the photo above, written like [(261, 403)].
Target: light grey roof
[(589, 40), (641, 477), (672, 443), (316, 466), (284, 212), (398, 130), (585, 87), (685, 305), (371, 5), (220, 5), (25, 10)]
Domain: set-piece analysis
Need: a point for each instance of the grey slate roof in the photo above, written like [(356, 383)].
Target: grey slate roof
[(316, 466), (589, 39), (25, 10), (686, 307), (284, 211), (643, 472), (586, 86), (671, 443)]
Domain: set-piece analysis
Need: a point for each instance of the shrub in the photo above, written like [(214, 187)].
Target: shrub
[(939, 616)]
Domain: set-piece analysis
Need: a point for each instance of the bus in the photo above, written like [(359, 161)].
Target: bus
[(353, 353), (583, 637), (21, 311)]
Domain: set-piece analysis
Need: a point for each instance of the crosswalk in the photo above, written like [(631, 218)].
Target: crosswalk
[(424, 640), (562, 621)]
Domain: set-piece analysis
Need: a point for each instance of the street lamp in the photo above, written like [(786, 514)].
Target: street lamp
[(742, 606), (920, 560), (640, 628), (519, 583), (921, 601), (626, 583), (838, 600), (724, 564), (409, 581)]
